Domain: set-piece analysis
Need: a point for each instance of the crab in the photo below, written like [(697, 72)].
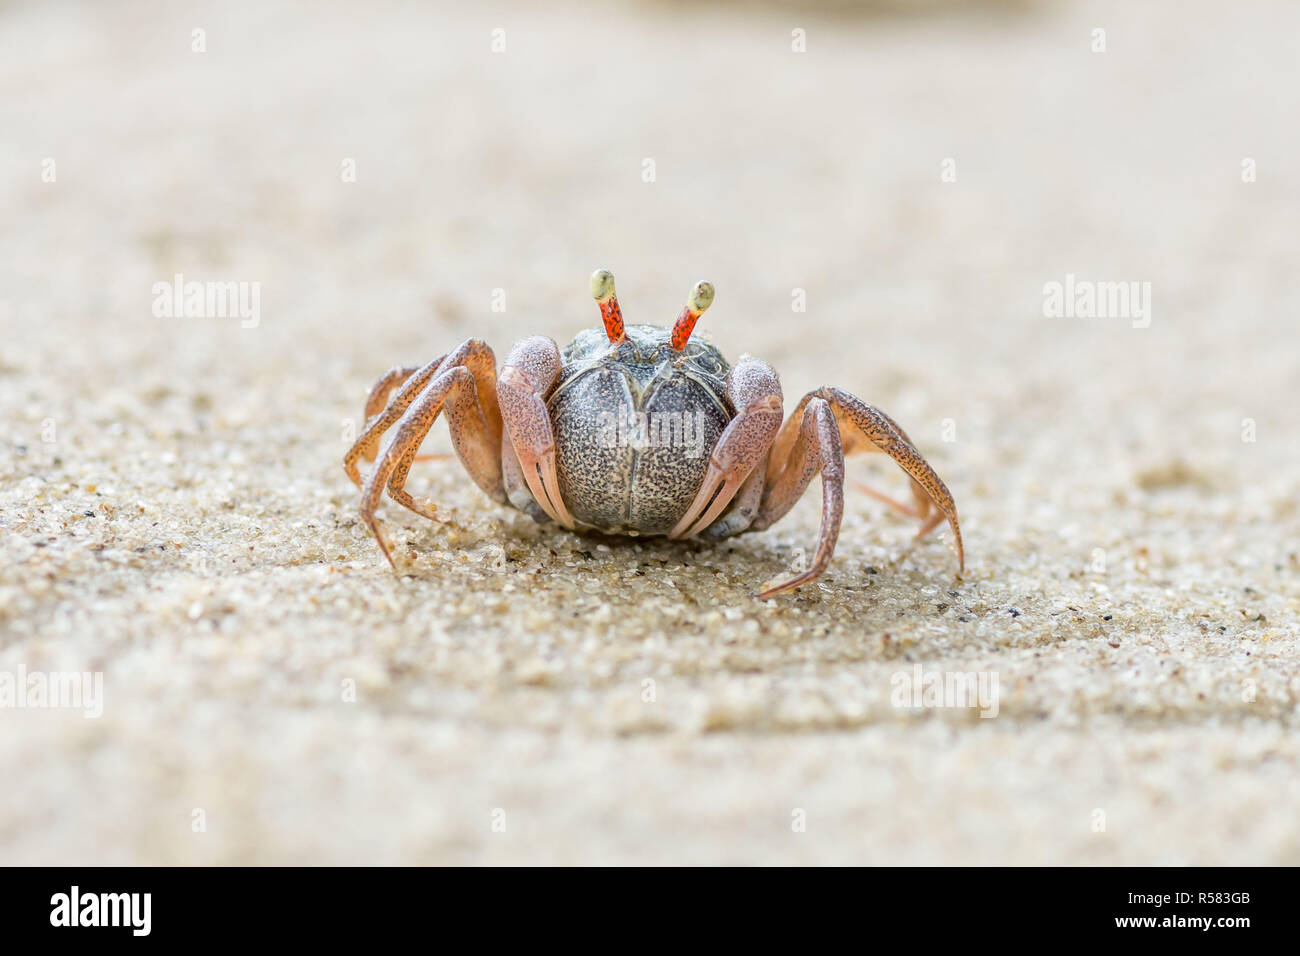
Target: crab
[(636, 430)]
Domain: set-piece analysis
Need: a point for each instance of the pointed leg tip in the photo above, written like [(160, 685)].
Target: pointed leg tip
[(778, 585), (373, 525)]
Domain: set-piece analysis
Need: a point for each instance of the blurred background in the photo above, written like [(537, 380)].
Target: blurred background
[(880, 193)]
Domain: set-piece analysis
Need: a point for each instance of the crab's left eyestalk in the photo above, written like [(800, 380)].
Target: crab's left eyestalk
[(700, 299), (602, 290)]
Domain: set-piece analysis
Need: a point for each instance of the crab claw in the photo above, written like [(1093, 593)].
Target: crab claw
[(700, 299), (602, 290), (524, 413)]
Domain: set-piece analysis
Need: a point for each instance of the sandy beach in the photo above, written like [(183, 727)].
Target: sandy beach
[(394, 178)]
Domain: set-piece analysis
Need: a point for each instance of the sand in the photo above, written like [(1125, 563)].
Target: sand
[(174, 517)]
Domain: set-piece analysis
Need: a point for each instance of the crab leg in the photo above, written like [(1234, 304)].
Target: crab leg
[(752, 385), (920, 510), (379, 393), (462, 384), (858, 421), (531, 371), (826, 424), (855, 440), (811, 445), (375, 403), (413, 379)]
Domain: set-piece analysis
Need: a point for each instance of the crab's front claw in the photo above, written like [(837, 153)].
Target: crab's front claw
[(529, 373)]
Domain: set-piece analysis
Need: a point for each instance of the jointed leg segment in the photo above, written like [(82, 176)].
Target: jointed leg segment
[(381, 417), (827, 424), (463, 385), (816, 448)]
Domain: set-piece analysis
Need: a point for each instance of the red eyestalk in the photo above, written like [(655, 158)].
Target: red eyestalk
[(602, 290), (700, 299)]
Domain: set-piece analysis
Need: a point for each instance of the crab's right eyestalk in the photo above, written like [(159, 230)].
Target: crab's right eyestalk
[(602, 290), (700, 299)]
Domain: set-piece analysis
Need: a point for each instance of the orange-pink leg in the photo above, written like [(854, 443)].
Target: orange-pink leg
[(865, 427), (855, 441), (813, 443), (462, 385), (378, 400), (395, 376), (801, 449), (381, 414), (908, 511), (531, 371), (754, 389)]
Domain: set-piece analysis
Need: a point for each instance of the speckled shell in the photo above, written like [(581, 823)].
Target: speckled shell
[(608, 482)]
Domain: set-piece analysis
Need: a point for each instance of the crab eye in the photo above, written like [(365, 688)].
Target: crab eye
[(701, 298), (602, 290)]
